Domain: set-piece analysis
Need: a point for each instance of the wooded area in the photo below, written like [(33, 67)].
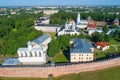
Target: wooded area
[(16, 30)]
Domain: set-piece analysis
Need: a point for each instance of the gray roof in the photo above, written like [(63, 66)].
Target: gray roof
[(33, 49), (82, 46), (116, 20), (89, 18), (41, 39), (11, 61)]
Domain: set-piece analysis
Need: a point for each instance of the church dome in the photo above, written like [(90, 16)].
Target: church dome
[(71, 21), (29, 43)]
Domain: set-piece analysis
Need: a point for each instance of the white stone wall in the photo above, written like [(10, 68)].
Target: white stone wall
[(32, 57)]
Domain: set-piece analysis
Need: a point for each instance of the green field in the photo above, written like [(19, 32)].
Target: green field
[(106, 74), (60, 58), (113, 41)]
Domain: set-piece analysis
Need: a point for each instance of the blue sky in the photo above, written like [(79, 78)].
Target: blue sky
[(57, 2)]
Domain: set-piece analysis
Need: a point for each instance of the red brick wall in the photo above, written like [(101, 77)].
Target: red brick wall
[(43, 72)]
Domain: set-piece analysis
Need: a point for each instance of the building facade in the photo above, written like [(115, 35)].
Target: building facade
[(69, 28), (35, 53), (81, 51)]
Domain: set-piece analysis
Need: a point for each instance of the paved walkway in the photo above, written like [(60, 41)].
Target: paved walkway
[(43, 72)]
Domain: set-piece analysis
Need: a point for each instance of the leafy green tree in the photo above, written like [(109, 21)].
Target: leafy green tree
[(116, 35), (54, 48), (96, 37), (105, 29), (64, 41)]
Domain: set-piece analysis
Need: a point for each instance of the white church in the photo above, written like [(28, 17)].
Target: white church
[(81, 23), (35, 53), (71, 27)]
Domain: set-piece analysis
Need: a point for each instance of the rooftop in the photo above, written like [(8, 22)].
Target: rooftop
[(33, 49), (41, 39), (102, 44), (82, 46), (92, 26), (116, 20)]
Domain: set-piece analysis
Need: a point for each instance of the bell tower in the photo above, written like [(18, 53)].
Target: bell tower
[(78, 18)]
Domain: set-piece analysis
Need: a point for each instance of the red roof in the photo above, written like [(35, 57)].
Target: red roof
[(102, 44), (92, 26)]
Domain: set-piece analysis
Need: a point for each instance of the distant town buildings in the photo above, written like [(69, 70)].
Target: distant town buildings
[(81, 51), (116, 22), (35, 53), (42, 21), (50, 12)]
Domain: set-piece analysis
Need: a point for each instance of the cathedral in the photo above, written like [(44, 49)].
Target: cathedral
[(71, 27)]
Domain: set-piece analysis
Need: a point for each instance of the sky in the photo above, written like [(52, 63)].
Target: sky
[(57, 2)]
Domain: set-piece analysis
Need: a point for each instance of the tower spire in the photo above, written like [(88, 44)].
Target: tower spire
[(78, 18)]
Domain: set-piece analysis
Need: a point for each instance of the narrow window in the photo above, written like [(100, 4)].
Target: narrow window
[(35, 54), (30, 54), (25, 54), (40, 54)]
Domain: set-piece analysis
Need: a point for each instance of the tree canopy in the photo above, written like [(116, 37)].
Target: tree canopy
[(16, 30)]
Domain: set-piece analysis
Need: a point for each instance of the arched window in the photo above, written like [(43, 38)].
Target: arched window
[(25, 54), (35, 54), (40, 54), (21, 54), (30, 54)]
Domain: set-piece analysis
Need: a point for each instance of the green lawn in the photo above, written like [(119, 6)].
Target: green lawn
[(118, 49), (103, 54), (105, 74), (111, 49), (113, 42), (60, 58)]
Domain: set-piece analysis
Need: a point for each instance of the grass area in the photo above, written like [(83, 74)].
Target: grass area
[(100, 55), (103, 54), (51, 33), (60, 58), (105, 74), (113, 42), (111, 49), (118, 48), (1, 61)]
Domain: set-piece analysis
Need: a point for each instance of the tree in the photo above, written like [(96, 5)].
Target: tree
[(98, 37), (64, 42), (116, 35), (105, 29), (54, 48)]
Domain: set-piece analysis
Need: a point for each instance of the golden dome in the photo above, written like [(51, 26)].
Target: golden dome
[(70, 21)]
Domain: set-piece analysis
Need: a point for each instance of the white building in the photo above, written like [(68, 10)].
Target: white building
[(69, 28), (35, 53), (81, 23), (92, 28), (102, 45), (81, 51)]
